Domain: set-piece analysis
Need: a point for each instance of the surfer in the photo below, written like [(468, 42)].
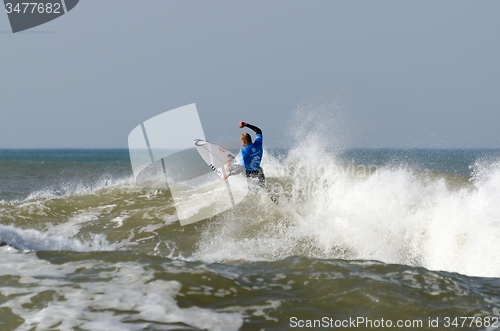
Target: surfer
[(250, 157)]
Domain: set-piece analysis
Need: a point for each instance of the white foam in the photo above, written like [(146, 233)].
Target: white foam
[(391, 215), (119, 220), (72, 226), (111, 300), (33, 240), (75, 188)]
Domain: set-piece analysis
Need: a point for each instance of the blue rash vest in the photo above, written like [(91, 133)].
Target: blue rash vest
[(251, 155)]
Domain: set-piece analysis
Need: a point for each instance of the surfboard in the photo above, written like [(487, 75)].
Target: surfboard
[(216, 157)]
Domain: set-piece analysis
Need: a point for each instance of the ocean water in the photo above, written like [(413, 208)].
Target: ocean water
[(358, 239)]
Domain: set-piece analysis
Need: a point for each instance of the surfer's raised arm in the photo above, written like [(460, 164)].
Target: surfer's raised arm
[(251, 127)]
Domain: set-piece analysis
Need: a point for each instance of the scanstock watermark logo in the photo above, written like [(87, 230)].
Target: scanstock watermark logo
[(25, 15)]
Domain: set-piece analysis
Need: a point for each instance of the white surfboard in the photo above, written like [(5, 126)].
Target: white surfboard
[(216, 157)]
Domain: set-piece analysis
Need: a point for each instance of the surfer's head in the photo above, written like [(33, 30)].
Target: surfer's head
[(246, 139)]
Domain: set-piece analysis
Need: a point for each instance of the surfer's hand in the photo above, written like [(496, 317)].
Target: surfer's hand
[(242, 124), (224, 178)]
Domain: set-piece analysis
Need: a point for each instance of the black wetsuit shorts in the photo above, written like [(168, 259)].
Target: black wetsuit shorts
[(259, 173)]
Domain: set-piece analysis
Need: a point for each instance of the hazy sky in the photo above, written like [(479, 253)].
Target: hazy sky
[(380, 74)]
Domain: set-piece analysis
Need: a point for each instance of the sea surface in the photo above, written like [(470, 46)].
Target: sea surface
[(357, 239)]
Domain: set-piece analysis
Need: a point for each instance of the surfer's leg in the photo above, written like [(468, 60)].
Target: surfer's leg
[(250, 183), (263, 185), (259, 173)]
